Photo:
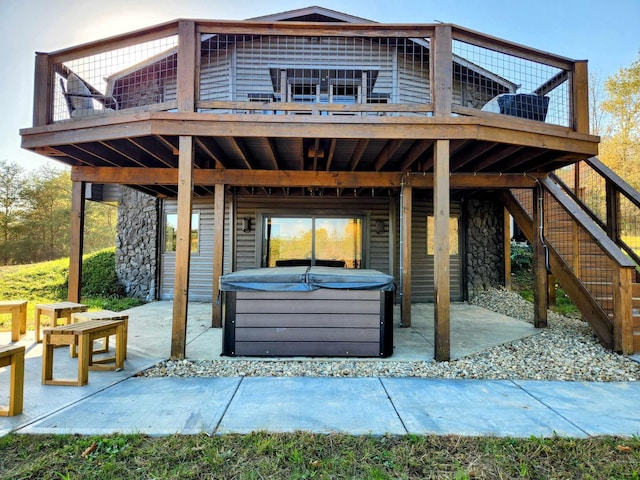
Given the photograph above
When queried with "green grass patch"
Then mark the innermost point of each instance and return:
(306, 456)
(46, 282)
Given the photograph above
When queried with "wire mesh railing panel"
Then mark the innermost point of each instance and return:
(583, 254)
(307, 69)
(568, 176)
(629, 222)
(592, 191)
(498, 82)
(137, 75)
(524, 196)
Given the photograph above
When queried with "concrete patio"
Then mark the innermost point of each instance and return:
(121, 402)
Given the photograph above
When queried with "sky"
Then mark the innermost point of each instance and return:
(606, 33)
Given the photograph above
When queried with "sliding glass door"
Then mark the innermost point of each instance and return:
(312, 240)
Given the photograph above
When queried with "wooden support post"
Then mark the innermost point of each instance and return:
(442, 287)
(580, 89)
(540, 278)
(623, 310)
(405, 251)
(613, 212)
(76, 241)
(183, 248)
(42, 91)
(187, 64)
(218, 253)
(506, 232)
(442, 71)
(551, 290)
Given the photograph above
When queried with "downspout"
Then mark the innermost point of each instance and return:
(401, 231)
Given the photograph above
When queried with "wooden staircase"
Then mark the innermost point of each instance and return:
(589, 266)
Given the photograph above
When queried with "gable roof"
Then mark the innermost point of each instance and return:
(311, 14)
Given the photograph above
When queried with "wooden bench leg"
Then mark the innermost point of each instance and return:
(16, 385)
(38, 324)
(16, 323)
(47, 360)
(23, 319)
(84, 358)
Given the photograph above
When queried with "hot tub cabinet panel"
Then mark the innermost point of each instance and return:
(323, 322)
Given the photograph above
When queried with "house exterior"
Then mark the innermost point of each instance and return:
(311, 137)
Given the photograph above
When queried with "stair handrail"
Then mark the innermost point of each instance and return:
(618, 182)
(618, 185)
(609, 246)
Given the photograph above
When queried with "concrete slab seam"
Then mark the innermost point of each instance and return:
(549, 407)
(226, 409)
(406, 430)
(75, 402)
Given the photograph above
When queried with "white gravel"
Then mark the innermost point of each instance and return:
(566, 350)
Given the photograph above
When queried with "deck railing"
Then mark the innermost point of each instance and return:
(612, 203)
(309, 68)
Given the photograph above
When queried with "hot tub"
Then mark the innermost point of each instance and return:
(308, 311)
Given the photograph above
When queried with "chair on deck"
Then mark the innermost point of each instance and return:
(80, 99)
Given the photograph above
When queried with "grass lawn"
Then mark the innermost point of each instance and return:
(46, 282)
(306, 456)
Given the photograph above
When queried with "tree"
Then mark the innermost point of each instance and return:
(621, 145)
(11, 189)
(47, 221)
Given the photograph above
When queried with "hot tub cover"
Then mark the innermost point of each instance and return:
(305, 279)
(279, 279)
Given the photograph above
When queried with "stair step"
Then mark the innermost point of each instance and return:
(635, 290)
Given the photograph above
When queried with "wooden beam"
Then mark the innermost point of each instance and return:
(186, 83)
(218, 253)
(76, 242)
(149, 145)
(442, 71)
(212, 150)
(442, 283)
(539, 264)
(499, 154)
(357, 153)
(414, 152)
(330, 154)
(183, 249)
(294, 178)
(274, 155)
(386, 153)
(243, 150)
(406, 212)
(470, 154)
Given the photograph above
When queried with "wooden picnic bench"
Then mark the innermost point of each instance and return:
(82, 336)
(101, 315)
(56, 311)
(18, 311)
(13, 356)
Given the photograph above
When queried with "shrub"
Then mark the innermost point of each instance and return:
(99, 277)
(521, 257)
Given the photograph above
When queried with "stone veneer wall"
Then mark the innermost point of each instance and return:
(484, 244)
(137, 243)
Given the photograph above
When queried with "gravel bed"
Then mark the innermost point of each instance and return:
(566, 350)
